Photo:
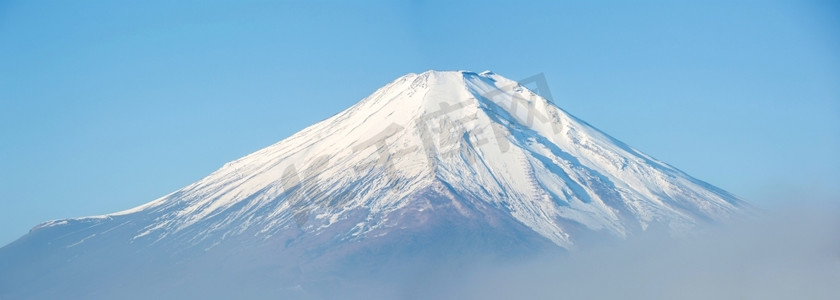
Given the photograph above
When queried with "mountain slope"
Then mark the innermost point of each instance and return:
(432, 163)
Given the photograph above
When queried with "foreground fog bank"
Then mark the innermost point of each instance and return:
(786, 252)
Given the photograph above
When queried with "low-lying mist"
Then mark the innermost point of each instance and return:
(790, 251)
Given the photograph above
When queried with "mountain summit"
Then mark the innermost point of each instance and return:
(445, 160)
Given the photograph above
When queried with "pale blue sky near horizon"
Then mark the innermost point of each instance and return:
(108, 105)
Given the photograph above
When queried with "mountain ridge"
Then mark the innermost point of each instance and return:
(418, 113)
(432, 165)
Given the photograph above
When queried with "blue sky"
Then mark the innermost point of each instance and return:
(105, 105)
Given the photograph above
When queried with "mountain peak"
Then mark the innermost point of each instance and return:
(477, 143)
(436, 163)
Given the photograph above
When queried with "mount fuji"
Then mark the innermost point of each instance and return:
(432, 167)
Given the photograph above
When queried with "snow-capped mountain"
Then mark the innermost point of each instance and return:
(430, 158)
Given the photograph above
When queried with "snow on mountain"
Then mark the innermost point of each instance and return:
(475, 149)
(480, 136)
